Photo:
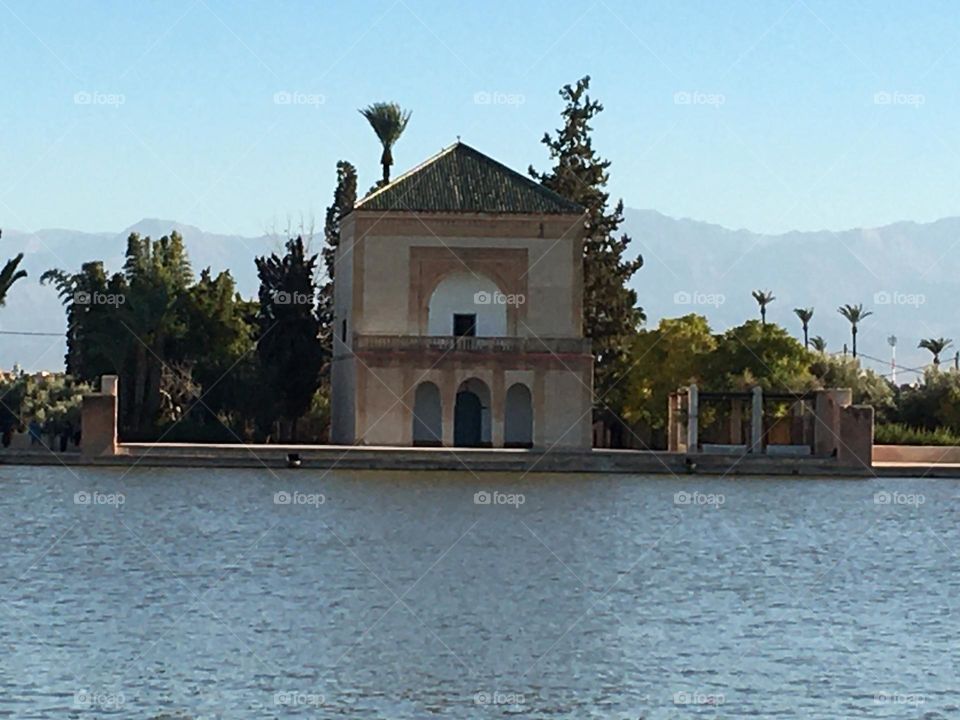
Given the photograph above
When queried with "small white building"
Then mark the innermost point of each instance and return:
(458, 311)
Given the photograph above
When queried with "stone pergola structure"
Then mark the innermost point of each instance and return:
(819, 423)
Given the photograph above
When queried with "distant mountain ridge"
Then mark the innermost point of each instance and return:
(906, 272)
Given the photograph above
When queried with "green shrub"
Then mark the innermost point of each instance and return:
(900, 434)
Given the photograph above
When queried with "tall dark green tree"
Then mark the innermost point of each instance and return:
(344, 198)
(290, 349)
(611, 316)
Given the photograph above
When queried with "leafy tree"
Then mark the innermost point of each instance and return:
(757, 354)
(219, 344)
(869, 388)
(611, 316)
(805, 315)
(290, 349)
(763, 298)
(388, 121)
(854, 315)
(935, 346)
(9, 275)
(94, 347)
(665, 358)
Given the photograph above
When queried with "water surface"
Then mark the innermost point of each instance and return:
(205, 594)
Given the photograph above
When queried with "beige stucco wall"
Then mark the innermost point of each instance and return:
(377, 291)
(385, 400)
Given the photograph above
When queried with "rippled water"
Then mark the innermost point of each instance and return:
(205, 595)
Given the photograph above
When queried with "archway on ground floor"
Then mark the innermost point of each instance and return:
(518, 418)
(471, 416)
(427, 415)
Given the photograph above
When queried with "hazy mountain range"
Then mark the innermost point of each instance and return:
(907, 273)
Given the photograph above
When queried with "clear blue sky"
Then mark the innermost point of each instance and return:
(799, 140)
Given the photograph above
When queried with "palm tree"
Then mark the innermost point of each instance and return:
(763, 298)
(935, 346)
(9, 275)
(805, 315)
(388, 121)
(819, 344)
(854, 314)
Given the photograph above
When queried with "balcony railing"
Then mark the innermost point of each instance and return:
(448, 343)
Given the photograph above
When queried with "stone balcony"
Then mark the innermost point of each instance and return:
(449, 343)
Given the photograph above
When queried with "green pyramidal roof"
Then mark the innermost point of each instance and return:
(461, 179)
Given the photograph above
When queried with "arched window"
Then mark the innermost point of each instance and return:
(467, 297)
(518, 417)
(427, 415)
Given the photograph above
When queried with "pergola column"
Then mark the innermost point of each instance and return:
(756, 420)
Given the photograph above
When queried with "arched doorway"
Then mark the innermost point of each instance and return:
(427, 415)
(518, 418)
(471, 415)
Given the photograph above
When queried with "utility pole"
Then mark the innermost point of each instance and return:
(892, 341)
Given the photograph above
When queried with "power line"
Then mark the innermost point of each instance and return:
(37, 334)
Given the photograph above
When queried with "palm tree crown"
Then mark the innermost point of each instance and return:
(854, 314)
(805, 315)
(388, 121)
(819, 344)
(763, 298)
(935, 346)
(9, 275)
